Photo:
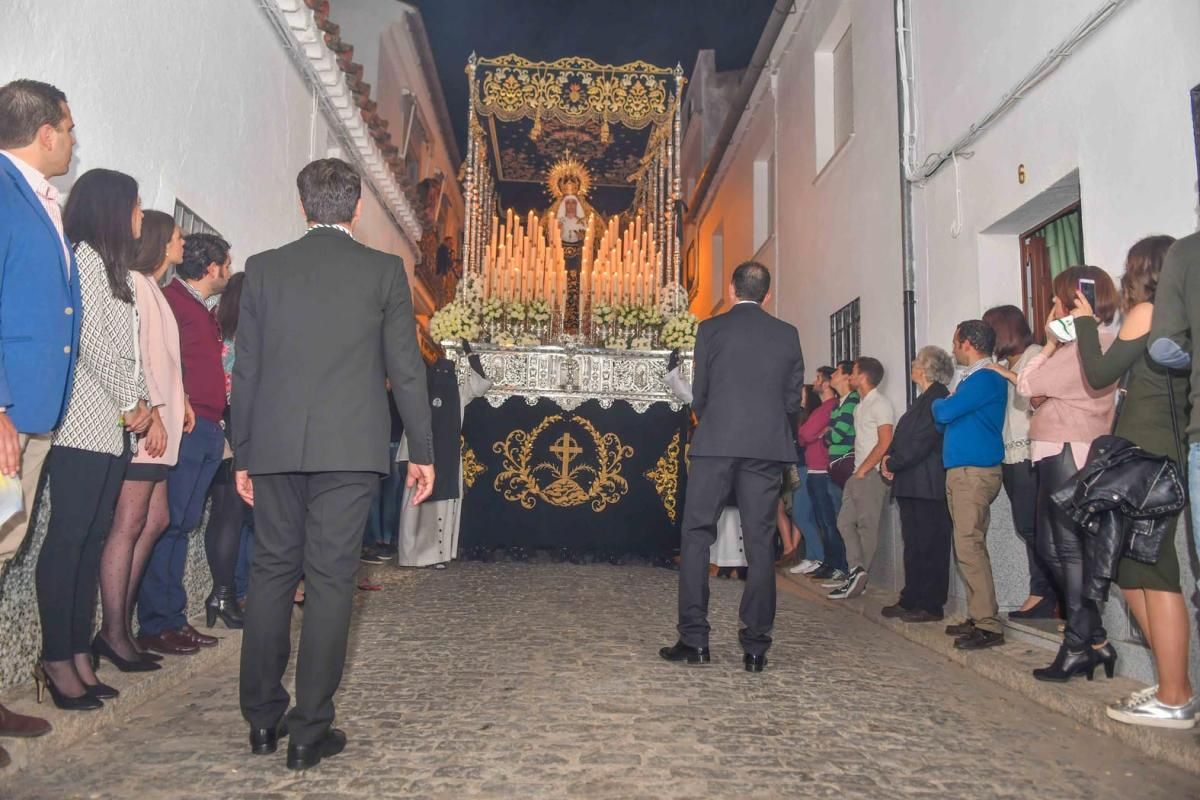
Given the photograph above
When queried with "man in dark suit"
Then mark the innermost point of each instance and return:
(748, 375)
(324, 320)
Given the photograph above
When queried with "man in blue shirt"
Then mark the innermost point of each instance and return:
(972, 423)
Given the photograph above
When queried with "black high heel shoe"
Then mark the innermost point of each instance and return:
(1106, 655)
(101, 691)
(85, 702)
(102, 648)
(1043, 609)
(223, 603)
(1067, 664)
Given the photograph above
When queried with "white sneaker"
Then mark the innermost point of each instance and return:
(804, 567)
(1153, 713)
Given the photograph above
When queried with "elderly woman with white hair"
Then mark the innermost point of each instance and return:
(913, 464)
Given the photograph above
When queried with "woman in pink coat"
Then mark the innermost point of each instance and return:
(141, 514)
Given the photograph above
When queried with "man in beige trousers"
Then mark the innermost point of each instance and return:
(972, 424)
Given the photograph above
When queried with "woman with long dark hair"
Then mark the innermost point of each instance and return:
(91, 448)
(141, 513)
(1149, 420)
(223, 537)
(1015, 348)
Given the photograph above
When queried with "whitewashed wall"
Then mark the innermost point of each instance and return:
(196, 100)
(1117, 113)
(837, 235)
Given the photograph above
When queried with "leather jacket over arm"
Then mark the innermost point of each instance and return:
(1125, 499)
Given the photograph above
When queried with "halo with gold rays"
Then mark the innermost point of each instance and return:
(565, 167)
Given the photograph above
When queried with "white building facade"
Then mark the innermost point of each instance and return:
(811, 181)
(214, 107)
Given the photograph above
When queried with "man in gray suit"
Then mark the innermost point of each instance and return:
(324, 320)
(749, 372)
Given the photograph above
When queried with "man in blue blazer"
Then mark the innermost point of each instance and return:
(39, 302)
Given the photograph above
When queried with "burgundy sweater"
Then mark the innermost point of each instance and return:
(200, 349)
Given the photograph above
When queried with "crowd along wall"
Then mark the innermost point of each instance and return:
(198, 101)
(1110, 129)
(833, 231)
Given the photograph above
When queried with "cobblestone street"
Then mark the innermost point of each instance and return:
(525, 681)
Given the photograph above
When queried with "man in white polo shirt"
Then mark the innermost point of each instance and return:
(865, 494)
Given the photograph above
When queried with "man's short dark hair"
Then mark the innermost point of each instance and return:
(978, 334)
(25, 106)
(200, 250)
(846, 367)
(751, 281)
(329, 191)
(870, 368)
(825, 372)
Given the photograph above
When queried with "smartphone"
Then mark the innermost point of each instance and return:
(1087, 287)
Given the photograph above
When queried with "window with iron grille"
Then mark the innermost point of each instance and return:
(844, 335)
(190, 222)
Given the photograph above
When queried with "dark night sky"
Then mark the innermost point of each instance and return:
(662, 32)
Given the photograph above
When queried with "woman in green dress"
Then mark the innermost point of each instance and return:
(1151, 590)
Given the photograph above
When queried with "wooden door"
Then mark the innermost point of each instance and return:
(1036, 283)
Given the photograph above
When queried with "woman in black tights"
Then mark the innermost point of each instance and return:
(223, 536)
(91, 448)
(141, 514)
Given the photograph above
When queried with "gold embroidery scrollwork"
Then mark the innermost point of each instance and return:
(471, 468)
(565, 481)
(573, 90)
(665, 477)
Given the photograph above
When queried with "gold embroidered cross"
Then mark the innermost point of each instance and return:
(566, 448)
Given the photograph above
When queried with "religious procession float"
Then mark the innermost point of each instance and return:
(571, 295)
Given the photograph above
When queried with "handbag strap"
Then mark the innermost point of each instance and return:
(1122, 390)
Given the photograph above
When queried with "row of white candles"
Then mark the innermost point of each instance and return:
(522, 264)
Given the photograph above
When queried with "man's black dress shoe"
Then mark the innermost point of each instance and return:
(265, 740)
(979, 639)
(754, 663)
(305, 756)
(681, 652)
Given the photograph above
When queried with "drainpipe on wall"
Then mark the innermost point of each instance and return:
(909, 295)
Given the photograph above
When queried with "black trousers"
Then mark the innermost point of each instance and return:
(84, 487)
(927, 531)
(306, 524)
(1021, 486)
(757, 485)
(223, 536)
(1061, 544)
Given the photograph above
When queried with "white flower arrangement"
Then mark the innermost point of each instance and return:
(603, 314)
(453, 322)
(680, 331)
(492, 310)
(673, 301)
(516, 312)
(529, 340)
(651, 316)
(629, 315)
(505, 339)
(642, 343)
(539, 311)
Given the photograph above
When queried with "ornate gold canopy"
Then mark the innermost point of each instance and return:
(575, 90)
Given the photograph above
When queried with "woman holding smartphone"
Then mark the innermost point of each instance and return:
(1072, 414)
(1150, 421)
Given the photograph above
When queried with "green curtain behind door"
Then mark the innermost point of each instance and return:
(1064, 242)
